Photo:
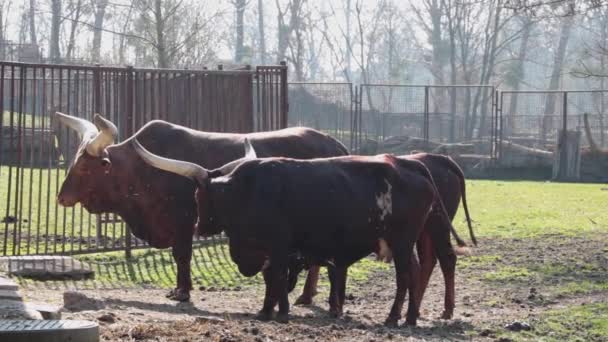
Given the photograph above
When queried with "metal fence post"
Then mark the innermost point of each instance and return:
(426, 114)
(129, 131)
(284, 95)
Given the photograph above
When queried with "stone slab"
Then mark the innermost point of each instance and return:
(47, 311)
(49, 330)
(45, 267)
(14, 309)
(11, 295)
(8, 284)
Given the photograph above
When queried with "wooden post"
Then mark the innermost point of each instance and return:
(567, 162)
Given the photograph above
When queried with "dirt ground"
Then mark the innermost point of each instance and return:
(505, 281)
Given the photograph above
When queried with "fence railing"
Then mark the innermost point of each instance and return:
(34, 154)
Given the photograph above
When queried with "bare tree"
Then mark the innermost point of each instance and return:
(76, 9)
(239, 48)
(56, 15)
(261, 32)
(99, 13)
(556, 73)
(32, 21)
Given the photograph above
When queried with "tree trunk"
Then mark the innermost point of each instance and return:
(487, 70)
(436, 42)
(519, 70)
(32, 19)
(71, 41)
(122, 40)
(54, 53)
(161, 46)
(558, 62)
(240, 14)
(100, 13)
(348, 41)
(261, 32)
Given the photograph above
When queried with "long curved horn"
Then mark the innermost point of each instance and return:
(85, 128)
(106, 136)
(249, 151)
(182, 168)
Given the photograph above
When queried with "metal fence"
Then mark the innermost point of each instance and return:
(534, 118)
(441, 114)
(323, 106)
(34, 155)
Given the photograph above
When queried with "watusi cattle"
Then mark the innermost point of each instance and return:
(433, 243)
(338, 209)
(159, 206)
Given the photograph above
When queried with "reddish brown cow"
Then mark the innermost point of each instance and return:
(434, 241)
(159, 206)
(337, 209)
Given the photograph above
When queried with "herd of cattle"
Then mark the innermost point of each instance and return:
(296, 200)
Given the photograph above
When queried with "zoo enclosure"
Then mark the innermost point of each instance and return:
(358, 115)
(35, 152)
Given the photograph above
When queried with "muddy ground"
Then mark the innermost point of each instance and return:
(504, 281)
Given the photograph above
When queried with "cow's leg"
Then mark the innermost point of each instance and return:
(337, 280)
(310, 287)
(428, 260)
(280, 285)
(447, 261)
(182, 254)
(402, 254)
(269, 302)
(413, 310)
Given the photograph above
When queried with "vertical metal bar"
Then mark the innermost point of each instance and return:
(426, 114)
(284, 96)
(129, 131)
(10, 167)
(32, 164)
(69, 109)
(19, 190)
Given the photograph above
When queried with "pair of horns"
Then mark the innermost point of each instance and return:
(97, 136)
(186, 169)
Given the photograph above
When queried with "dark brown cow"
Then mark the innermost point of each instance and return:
(158, 206)
(434, 241)
(337, 209)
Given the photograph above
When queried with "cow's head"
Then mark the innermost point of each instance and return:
(205, 224)
(87, 177)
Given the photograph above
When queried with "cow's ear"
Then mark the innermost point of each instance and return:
(249, 151)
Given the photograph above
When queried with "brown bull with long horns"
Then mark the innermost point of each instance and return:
(158, 206)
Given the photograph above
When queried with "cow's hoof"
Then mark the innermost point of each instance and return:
(447, 314)
(263, 316)
(410, 322)
(334, 313)
(171, 293)
(180, 296)
(391, 322)
(282, 318)
(304, 300)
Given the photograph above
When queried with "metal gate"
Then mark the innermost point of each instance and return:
(34, 155)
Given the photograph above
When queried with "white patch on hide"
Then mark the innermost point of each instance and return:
(266, 264)
(384, 254)
(384, 201)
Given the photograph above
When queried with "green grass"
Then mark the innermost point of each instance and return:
(508, 274)
(577, 323)
(27, 120)
(38, 190)
(521, 209)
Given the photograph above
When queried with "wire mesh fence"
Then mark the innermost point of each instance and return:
(323, 106)
(35, 153)
(535, 118)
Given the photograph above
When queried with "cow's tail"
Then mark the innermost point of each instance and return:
(458, 171)
(462, 248)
